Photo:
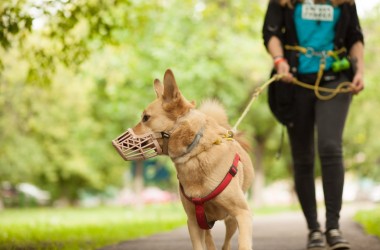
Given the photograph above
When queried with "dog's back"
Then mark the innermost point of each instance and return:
(214, 109)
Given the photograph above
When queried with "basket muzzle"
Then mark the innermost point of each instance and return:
(138, 147)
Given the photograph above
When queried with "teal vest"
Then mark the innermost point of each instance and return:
(315, 27)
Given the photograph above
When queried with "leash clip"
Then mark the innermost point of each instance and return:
(230, 134)
(324, 55)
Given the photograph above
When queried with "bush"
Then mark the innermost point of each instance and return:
(370, 219)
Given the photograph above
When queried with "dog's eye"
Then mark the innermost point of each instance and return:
(145, 118)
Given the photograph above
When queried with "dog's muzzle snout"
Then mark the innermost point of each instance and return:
(137, 147)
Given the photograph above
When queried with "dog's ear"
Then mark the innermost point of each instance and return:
(173, 101)
(158, 88)
(171, 91)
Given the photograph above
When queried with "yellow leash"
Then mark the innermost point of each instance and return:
(343, 87)
(255, 94)
(306, 50)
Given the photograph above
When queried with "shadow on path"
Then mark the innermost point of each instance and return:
(285, 231)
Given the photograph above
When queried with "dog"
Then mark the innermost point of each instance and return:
(213, 167)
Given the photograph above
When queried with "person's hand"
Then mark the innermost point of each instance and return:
(357, 83)
(283, 68)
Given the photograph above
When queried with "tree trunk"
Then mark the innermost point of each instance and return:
(138, 183)
(259, 180)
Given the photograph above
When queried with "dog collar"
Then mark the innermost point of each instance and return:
(196, 140)
(193, 144)
(200, 213)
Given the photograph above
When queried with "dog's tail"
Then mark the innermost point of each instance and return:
(214, 109)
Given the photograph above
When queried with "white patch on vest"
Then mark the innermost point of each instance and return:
(317, 12)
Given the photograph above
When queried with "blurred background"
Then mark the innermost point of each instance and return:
(74, 74)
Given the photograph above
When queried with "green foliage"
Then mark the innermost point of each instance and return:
(85, 228)
(361, 142)
(15, 21)
(370, 219)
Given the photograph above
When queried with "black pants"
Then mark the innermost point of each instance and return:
(323, 120)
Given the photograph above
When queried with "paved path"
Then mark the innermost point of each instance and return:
(285, 231)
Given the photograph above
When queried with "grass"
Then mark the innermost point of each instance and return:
(268, 210)
(370, 219)
(91, 228)
(84, 228)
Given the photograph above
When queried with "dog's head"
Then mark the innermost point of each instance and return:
(150, 136)
(162, 113)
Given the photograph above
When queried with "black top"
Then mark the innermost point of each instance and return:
(279, 22)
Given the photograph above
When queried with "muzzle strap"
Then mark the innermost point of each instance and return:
(165, 145)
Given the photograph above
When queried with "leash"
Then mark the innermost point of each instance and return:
(344, 87)
(255, 94)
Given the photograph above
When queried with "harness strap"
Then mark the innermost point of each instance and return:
(199, 202)
(310, 51)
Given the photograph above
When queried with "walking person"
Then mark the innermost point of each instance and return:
(305, 38)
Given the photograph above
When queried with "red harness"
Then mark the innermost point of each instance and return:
(198, 202)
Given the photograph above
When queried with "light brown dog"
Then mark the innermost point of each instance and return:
(199, 144)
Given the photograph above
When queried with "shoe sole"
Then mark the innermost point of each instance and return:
(340, 246)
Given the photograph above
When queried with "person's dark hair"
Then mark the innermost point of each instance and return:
(290, 3)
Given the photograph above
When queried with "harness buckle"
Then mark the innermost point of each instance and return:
(233, 170)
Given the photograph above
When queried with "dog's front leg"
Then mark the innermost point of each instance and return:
(197, 235)
(244, 220)
(210, 245)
